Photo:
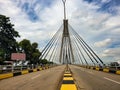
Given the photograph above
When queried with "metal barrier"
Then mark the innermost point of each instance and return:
(11, 68)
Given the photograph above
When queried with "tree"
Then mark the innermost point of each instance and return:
(25, 46)
(34, 45)
(44, 61)
(31, 51)
(2, 53)
(8, 34)
(35, 53)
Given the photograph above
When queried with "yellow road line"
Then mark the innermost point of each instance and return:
(68, 87)
(25, 72)
(67, 74)
(97, 69)
(34, 70)
(106, 70)
(3, 76)
(68, 82)
(40, 69)
(118, 72)
(67, 71)
(68, 78)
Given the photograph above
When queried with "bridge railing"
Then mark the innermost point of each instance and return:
(11, 68)
(101, 67)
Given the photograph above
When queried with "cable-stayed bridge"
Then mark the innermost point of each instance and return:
(79, 67)
(67, 46)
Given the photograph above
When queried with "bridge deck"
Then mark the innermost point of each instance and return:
(41, 80)
(87, 79)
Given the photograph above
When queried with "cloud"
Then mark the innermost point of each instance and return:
(38, 20)
(106, 6)
(112, 52)
(103, 43)
(27, 28)
(105, 1)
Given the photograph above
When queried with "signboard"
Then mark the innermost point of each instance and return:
(18, 56)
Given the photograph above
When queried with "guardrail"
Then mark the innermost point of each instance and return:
(109, 67)
(104, 69)
(21, 70)
(11, 68)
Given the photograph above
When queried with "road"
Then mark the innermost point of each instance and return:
(42, 80)
(87, 79)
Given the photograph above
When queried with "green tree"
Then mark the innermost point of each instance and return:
(35, 53)
(2, 53)
(25, 46)
(44, 61)
(34, 45)
(8, 36)
(31, 51)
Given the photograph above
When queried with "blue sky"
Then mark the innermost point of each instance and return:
(97, 21)
(106, 6)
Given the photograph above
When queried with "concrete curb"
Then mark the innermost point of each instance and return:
(68, 82)
(104, 70)
(8, 75)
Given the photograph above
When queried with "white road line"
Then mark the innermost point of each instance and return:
(111, 80)
(90, 72)
(36, 76)
(82, 69)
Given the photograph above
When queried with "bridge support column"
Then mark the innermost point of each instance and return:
(66, 52)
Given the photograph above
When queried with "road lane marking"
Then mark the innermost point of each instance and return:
(111, 80)
(82, 69)
(36, 76)
(68, 82)
(90, 72)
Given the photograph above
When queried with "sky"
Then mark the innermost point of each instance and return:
(96, 21)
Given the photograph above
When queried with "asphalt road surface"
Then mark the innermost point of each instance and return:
(42, 80)
(87, 79)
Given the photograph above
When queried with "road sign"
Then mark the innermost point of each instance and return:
(18, 56)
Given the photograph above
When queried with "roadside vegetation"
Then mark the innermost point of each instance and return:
(9, 45)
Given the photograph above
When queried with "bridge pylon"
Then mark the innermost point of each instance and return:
(68, 47)
(66, 51)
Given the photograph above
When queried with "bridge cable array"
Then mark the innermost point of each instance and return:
(60, 50)
(67, 47)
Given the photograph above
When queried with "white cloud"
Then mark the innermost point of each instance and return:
(116, 31)
(112, 22)
(34, 31)
(103, 43)
(93, 26)
(113, 52)
(105, 1)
